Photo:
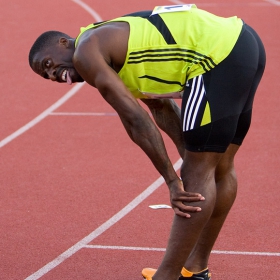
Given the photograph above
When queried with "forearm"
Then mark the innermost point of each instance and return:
(146, 135)
(137, 123)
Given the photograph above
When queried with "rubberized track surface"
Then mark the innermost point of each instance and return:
(75, 190)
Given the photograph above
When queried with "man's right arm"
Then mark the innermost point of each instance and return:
(92, 66)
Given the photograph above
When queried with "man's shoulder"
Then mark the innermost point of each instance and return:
(107, 43)
(106, 37)
(103, 33)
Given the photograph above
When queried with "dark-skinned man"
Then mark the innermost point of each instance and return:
(214, 64)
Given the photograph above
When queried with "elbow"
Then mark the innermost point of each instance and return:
(138, 126)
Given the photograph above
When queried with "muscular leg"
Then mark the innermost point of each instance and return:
(198, 174)
(226, 185)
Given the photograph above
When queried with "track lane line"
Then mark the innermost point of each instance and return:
(82, 114)
(86, 7)
(62, 100)
(40, 117)
(219, 252)
(83, 243)
(274, 2)
(101, 229)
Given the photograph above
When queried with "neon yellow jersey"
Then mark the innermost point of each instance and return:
(170, 46)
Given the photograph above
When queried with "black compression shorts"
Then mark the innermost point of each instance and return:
(217, 106)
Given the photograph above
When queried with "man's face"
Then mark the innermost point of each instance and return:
(55, 63)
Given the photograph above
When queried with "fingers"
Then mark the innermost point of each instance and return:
(189, 197)
(181, 213)
(181, 200)
(193, 195)
(183, 210)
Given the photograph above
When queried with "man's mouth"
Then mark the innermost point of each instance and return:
(65, 76)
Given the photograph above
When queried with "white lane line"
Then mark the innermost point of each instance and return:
(85, 114)
(81, 114)
(105, 226)
(178, 2)
(163, 249)
(43, 115)
(129, 248)
(86, 7)
(274, 2)
(69, 94)
(268, 254)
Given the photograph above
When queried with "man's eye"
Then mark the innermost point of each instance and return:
(48, 63)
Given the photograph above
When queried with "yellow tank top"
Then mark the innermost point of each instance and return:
(170, 46)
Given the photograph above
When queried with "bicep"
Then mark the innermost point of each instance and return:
(94, 69)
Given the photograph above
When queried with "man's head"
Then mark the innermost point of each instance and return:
(51, 57)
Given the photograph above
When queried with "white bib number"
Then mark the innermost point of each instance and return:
(171, 8)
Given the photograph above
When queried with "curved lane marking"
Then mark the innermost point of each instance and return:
(86, 7)
(62, 100)
(83, 243)
(213, 4)
(43, 115)
(274, 2)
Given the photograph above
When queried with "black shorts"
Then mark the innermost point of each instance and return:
(217, 106)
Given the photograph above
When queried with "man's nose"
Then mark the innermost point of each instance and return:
(52, 74)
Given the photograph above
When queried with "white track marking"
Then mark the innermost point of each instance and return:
(178, 2)
(83, 243)
(274, 2)
(43, 115)
(81, 114)
(105, 226)
(128, 248)
(60, 101)
(269, 254)
(88, 9)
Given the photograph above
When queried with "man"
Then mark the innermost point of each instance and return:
(215, 64)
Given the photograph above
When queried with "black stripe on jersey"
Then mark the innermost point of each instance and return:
(203, 66)
(161, 80)
(159, 60)
(158, 22)
(176, 49)
(168, 57)
(206, 62)
(175, 54)
(142, 14)
(203, 62)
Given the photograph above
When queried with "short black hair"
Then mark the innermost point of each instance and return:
(45, 40)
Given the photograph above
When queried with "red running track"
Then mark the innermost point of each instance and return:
(69, 182)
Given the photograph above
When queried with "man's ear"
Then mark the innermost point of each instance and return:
(63, 41)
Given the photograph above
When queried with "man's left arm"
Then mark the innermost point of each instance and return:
(92, 66)
(167, 116)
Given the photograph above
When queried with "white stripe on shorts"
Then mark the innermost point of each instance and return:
(193, 103)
